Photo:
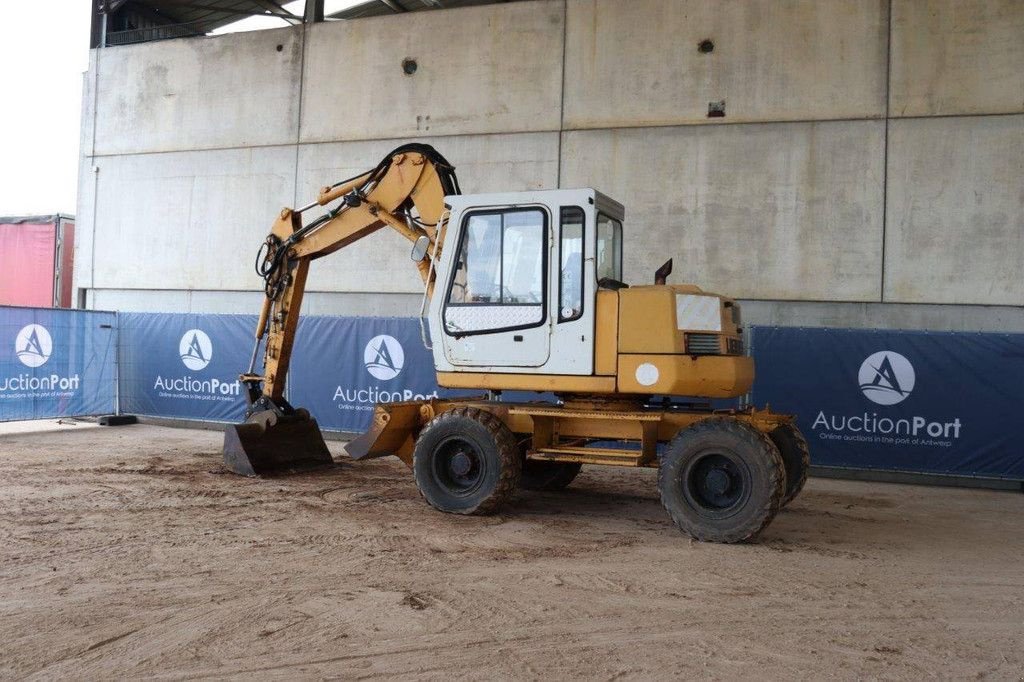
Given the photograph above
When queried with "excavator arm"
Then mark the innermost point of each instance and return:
(404, 192)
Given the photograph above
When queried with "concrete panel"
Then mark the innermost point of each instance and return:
(953, 57)
(249, 302)
(145, 301)
(783, 210)
(87, 129)
(490, 69)
(187, 220)
(955, 213)
(84, 256)
(959, 318)
(637, 63)
(235, 90)
(380, 263)
(86, 194)
(955, 318)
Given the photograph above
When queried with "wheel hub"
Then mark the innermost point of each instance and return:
(461, 464)
(714, 483)
(717, 481)
(458, 466)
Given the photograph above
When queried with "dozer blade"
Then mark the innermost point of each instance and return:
(268, 443)
(391, 432)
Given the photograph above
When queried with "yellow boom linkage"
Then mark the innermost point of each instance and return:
(404, 192)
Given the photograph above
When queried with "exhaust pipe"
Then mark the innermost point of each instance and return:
(269, 443)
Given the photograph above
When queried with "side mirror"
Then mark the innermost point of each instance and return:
(419, 249)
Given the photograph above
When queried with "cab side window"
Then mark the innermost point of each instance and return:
(570, 254)
(609, 248)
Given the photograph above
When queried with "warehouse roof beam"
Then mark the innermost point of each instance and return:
(120, 22)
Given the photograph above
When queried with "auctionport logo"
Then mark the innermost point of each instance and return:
(33, 345)
(384, 357)
(886, 377)
(195, 349)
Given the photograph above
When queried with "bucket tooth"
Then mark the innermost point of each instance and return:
(268, 444)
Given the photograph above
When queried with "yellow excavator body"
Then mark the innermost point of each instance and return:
(523, 291)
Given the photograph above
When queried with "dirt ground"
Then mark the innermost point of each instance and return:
(129, 552)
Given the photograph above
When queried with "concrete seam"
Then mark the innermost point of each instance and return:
(298, 119)
(561, 98)
(92, 229)
(95, 101)
(258, 291)
(885, 149)
(319, 142)
(95, 176)
(1007, 307)
(820, 301)
(881, 119)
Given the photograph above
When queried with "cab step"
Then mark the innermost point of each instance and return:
(604, 456)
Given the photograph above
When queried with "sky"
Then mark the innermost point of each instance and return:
(44, 52)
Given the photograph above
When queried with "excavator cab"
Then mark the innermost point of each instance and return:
(530, 295)
(518, 278)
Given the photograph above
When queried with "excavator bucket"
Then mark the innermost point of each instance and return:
(268, 443)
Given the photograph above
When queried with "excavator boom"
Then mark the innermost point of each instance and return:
(405, 192)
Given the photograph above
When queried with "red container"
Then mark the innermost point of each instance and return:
(37, 260)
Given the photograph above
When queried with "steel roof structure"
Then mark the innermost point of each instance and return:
(119, 22)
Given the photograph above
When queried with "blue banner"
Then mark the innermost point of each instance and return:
(929, 402)
(187, 366)
(932, 402)
(343, 366)
(184, 365)
(56, 363)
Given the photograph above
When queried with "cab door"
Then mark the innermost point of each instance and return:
(572, 288)
(496, 308)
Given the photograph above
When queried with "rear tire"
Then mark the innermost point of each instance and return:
(548, 475)
(721, 480)
(796, 455)
(466, 462)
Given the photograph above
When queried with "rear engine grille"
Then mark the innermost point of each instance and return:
(702, 344)
(734, 346)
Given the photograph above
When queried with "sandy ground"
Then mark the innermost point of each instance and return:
(128, 552)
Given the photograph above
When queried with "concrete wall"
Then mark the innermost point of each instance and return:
(637, 63)
(777, 211)
(239, 90)
(479, 70)
(867, 171)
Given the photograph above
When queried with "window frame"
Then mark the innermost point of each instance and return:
(583, 260)
(545, 248)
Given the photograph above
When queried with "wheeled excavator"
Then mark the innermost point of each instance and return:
(523, 291)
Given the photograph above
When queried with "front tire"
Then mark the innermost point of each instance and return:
(721, 480)
(466, 462)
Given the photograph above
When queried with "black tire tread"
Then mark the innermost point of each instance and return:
(552, 475)
(508, 455)
(792, 438)
(776, 472)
